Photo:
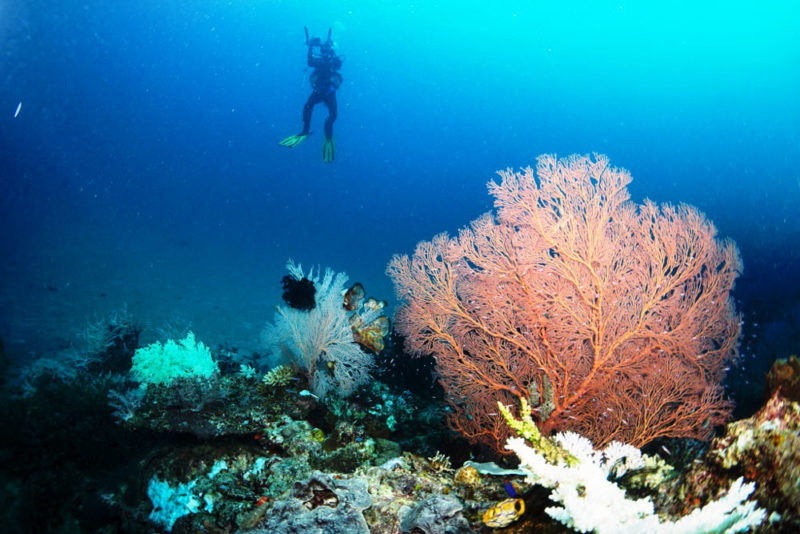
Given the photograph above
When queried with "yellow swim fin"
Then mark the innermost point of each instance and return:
(294, 140)
(328, 150)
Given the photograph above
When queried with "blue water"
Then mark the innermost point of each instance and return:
(143, 168)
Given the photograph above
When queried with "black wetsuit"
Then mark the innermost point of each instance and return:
(325, 80)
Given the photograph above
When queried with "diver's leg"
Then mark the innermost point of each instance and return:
(328, 146)
(312, 101)
(294, 140)
(330, 102)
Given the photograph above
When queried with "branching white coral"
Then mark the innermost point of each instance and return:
(618, 458)
(592, 503)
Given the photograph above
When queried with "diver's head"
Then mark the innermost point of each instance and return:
(326, 48)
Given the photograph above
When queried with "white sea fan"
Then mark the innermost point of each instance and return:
(320, 340)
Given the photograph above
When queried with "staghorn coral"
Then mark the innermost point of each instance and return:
(589, 502)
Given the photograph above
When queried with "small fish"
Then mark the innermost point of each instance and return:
(504, 513)
(19, 108)
(306, 393)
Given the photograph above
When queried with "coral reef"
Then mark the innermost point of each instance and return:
(321, 504)
(376, 407)
(226, 405)
(438, 514)
(237, 450)
(764, 448)
(784, 377)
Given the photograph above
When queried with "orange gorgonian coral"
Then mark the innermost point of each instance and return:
(613, 319)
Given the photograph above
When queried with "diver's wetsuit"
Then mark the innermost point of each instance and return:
(325, 80)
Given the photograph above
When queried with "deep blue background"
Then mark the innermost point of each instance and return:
(143, 168)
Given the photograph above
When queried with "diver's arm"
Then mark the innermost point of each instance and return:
(311, 44)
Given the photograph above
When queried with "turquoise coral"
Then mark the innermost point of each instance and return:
(164, 363)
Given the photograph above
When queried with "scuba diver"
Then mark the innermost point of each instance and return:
(325, 80)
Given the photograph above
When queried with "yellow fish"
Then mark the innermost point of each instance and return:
(504, 513)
